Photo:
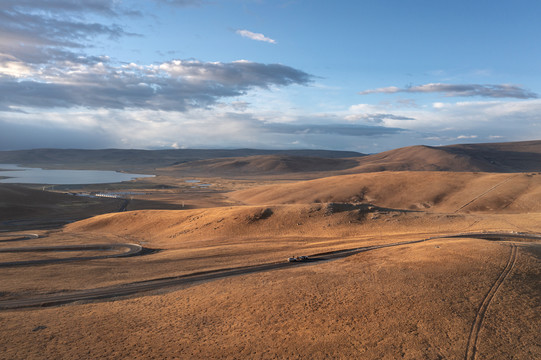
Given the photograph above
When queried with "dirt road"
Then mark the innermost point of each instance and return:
(132, 250)
(191, 279)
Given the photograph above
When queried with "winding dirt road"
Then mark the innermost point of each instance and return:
(19, 237)
(160, 283)
(132, 250)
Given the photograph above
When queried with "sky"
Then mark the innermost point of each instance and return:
(358, 75)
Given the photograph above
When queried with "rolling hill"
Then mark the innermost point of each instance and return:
(498, 157)
(427, 191)
(141, 160)
(495, 157)
(262, 165)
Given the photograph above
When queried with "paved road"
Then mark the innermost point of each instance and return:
(145, 286)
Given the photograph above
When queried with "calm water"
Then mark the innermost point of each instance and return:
(22, 175)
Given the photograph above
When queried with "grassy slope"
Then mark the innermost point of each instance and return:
(433, 191)
(415, 302)
(497, 157)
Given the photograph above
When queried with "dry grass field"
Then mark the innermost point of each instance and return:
(444, 298)
(426, 191)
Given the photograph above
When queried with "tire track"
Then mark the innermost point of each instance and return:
(471, 349)
(486, 192)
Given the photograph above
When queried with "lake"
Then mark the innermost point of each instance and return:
(23, 175)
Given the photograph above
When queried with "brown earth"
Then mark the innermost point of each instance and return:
(416, 301)
(412, 302)
(427, 191)
(497, 157)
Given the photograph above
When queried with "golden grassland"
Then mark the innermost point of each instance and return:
(414, 301)
(408, 302)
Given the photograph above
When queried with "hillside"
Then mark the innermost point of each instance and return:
(262, 165)
(497, 157)
(141, 160)
(428, 191)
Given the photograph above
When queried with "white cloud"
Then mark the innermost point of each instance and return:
(16, 69)
(255, 36)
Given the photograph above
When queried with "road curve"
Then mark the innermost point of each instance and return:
(132, 250)
(19, 237)
(154, 284)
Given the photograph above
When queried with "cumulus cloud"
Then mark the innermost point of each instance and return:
(175, 85)
(464, 90)
(255, 36)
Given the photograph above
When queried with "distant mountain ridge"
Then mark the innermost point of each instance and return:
(122, 159)
(510, 157)
(264, 165)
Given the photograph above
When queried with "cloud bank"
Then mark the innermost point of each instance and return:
(43, 64)
(463, 90)
(175, 85)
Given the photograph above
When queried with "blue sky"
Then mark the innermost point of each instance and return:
(366, 76)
